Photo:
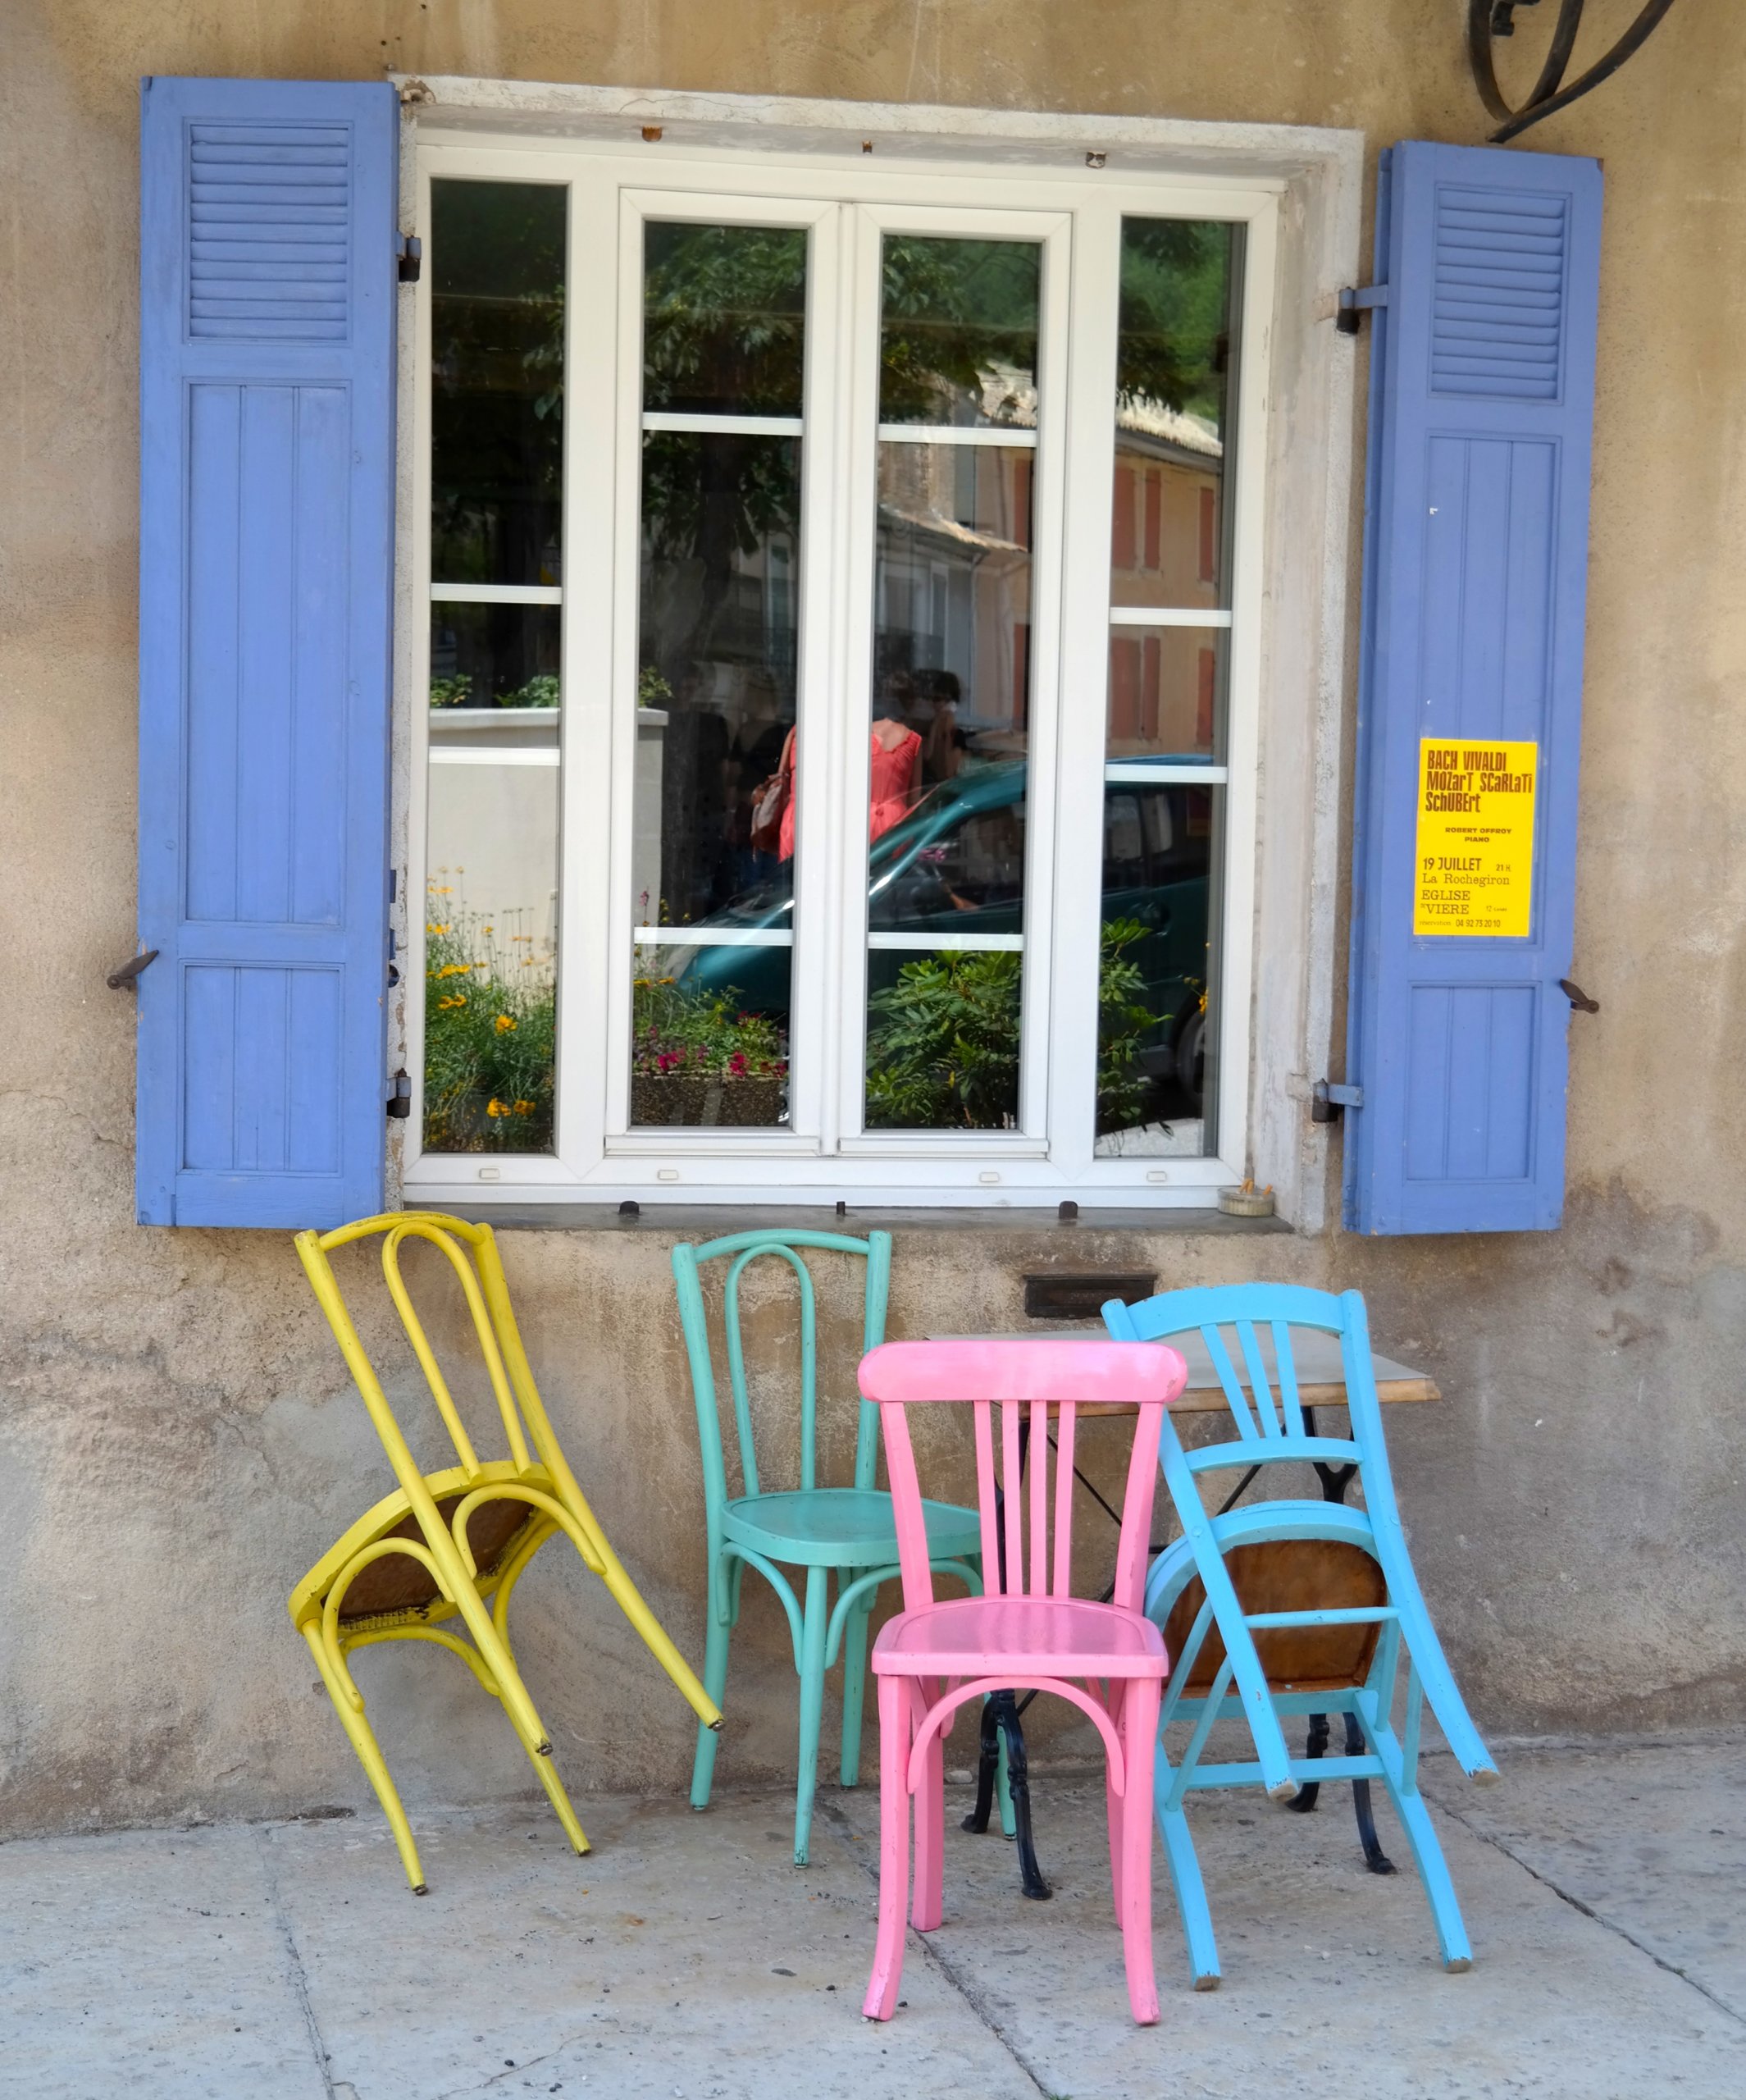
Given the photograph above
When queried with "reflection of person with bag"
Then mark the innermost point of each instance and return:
(896, 754)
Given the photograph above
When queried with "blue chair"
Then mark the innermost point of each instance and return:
(847, 1530)
(1283, 1607)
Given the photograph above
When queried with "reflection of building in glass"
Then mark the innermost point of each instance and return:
(952, 649)
(1165, 551)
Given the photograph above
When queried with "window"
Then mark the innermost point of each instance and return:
(820, 562)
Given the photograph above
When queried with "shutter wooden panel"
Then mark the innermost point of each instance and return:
(1482, 395)
(268, 280)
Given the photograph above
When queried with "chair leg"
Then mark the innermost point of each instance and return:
(1112, 1804)
(1139, 1750)
(717, 1633)
(855, 1685)
(930, 1839)
(362, 1739)
(1190, 1891)
(1427, 1852)
(559, 1800)
(812, 1707)
(894, 1849)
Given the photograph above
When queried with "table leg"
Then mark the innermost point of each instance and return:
(987, 1767)
(1005, 1708)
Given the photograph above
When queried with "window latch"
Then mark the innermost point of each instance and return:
(1355, 302)
(410, 253)
(1327, 1099)
(400, 1096)
(1574, 993)
(118, 980)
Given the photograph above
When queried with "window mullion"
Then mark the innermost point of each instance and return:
(1089, 480)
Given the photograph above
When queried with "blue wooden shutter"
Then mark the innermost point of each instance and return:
(267, 509)
(1482, 397)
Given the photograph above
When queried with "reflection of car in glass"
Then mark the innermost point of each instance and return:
(955, 865)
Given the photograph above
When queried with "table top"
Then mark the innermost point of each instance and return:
(1320, 1381)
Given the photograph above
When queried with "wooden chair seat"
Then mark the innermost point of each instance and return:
(1290, 1575)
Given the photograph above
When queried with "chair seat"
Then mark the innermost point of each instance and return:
(842, 1528)
(1037, 1636)
(399, 1584)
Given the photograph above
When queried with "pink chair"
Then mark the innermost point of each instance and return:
(1027, 1628)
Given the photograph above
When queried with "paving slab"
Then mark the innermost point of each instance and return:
(1651, 1839)
(687, 1957)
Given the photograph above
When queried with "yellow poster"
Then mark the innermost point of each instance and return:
(1475, 863)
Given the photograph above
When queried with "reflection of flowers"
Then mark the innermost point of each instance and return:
(505, 1022)
(701, 1034)
(488, 1048)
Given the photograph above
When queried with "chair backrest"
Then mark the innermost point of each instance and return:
(1043, 1377)
(1250, 1325)
(472, 1253)
(739, 1250)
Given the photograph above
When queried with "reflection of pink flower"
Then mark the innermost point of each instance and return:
(737, 1066)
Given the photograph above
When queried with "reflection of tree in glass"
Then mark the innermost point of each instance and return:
(724, 314)
(1176, 314)
(955, 314)
(497, 371)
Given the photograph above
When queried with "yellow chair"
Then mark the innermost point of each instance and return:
(453, 1543)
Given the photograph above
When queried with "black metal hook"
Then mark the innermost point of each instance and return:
(1489, 18)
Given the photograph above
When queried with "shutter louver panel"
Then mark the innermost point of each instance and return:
(270, 210)
(1499, 310)
(1482, 388)
(267, 349)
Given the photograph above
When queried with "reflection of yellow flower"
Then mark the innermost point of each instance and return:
(496, 1107)
(454, 999)
(487, 929)
(505, 1022)
(524, 1108)
(436, 929)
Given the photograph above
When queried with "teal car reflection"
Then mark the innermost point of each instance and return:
(954, 866)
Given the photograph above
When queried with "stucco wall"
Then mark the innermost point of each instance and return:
(177, 1441)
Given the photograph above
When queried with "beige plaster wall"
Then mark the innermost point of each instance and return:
(177, 1441)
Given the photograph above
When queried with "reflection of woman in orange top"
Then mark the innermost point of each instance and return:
(896, 760)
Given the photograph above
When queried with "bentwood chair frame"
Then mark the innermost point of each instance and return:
(848, 1531)
(453, 1545)
(1028, 1629)
(1344, 1576)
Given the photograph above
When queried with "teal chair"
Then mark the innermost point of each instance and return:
(1284, 1609)
(846, 1530)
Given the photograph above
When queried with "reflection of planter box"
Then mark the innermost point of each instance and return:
(685, 1098)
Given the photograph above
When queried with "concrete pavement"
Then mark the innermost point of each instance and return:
(1604, 1889)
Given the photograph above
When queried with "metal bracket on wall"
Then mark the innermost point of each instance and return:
(1328, 1100)
(1488, 20)
(119, 980)
(1355, 301)
(409, 249)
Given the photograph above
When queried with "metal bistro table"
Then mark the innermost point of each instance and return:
(1321, 1383)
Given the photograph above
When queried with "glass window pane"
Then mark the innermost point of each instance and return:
(958, 335)
(1155, 1042)
(716, 819)
(497, 329)
(494, 656)
(709, 1036)
(1173, 427)
(942, 1038)
(724, 318)
(1167, 693)
(491, 902)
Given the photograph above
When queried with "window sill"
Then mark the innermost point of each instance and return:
(694, 1221)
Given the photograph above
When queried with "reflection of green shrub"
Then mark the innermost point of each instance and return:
(942, 1043)
(450, 692)
(489, 1036)
(541, 690)
(701, 1034)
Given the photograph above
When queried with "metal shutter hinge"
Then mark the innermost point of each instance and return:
(1327, 1099)
(400, 1096)
(410, 250)
(119, 980)
(1355, 300)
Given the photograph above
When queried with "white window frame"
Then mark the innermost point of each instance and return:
(725, 157)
